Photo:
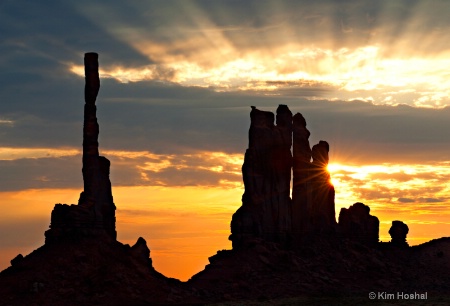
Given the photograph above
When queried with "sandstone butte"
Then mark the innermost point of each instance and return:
(286, 251)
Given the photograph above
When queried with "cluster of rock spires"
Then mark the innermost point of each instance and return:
(267, 210)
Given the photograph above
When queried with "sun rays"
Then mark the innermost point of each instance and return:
(361, 54)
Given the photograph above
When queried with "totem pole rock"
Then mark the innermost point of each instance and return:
(398, 232)
(95, 212)
(356, 223)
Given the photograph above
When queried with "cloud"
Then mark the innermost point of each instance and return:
(168, 118)
(234, 45)
(198, 169)
(431, 200)
(127, 169)
(389, 187)
(406, 200)
(188, 177)
(58, 33)
(170, 213)
(39, 173)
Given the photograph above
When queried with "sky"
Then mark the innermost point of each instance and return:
(177, 81)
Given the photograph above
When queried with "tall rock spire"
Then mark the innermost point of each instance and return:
(301, 195)
(97, 186)
(95, 213)
(91, 168)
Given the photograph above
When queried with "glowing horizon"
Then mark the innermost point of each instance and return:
(181, 234)
(166, 214)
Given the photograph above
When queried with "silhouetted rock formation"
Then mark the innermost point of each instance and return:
(17, 260)
(358, 224)
(267, 211)
(321, 212)
(398, 232)
(141, 252)
(95, 212)
(88, 271)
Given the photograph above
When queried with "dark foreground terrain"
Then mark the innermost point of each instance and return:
(92, 272)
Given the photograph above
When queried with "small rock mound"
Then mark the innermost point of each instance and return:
(398, 232)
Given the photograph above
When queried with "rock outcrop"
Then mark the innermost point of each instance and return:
(267, 211)
(398, 232)
(356, 223)
(16, 260)
(95, 212)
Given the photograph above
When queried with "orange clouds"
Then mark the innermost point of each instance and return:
(7, 153)
(414, 193)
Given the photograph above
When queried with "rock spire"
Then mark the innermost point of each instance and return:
(95, 212)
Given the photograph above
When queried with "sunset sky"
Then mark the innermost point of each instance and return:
(177, 81)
